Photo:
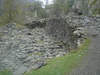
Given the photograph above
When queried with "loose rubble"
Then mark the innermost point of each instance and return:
(23, 49)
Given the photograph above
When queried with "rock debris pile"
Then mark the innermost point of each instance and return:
(23, 49)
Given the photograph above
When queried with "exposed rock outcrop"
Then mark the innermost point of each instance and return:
(26, 49)
(22, 49)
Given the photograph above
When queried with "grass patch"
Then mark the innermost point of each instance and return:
(62, 65)
(6, 72)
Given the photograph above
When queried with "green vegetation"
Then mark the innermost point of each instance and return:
(3, 20)
(62, 6)
(62, 65)
(21, 11)
(94, 7)
(5, 72)
(93, 2)
(9, 12)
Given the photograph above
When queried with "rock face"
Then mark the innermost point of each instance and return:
(26, 49)
(23, 49)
